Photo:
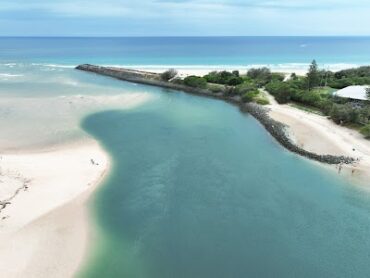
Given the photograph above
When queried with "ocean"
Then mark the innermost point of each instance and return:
(275, 52)
(197, 187)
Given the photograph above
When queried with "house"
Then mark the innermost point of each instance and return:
(353, 92)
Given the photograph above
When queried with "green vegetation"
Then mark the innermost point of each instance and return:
(195, 82)
(368, 93)
(224, 77)
(314, 92)
(168, 74)
(366, 130)
(250, 96)
(245, 86)
(313, 77)
(262, 100)
(216, 88)
(344, 78)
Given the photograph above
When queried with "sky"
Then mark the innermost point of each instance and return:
(184, 17)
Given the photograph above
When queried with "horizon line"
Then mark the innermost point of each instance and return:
(190, 36)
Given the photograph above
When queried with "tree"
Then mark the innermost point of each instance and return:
(344, 113)
(282, 91)
(368, 93)
(261, 76)
(313, 76)
(366, 131)
(236, 73)
(233, 81)
(168, 74)
(195, 82)
(224, 77)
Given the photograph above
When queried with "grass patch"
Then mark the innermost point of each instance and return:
(324, 90)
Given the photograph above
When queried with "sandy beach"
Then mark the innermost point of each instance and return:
(201, 71)
(184, 71)
(319, 134)
(44, 228)
(46, 179)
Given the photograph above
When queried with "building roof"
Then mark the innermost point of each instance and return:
(353, 92)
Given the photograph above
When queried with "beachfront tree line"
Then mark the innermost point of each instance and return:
(233, 84)
(314, 91)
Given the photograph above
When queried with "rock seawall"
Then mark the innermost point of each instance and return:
(275, 128)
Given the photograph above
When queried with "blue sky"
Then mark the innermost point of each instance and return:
(183, 17)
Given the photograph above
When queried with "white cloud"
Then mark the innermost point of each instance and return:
(192, 17)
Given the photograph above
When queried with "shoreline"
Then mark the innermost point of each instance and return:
(275, 128)
(47, 216)
(52, 213)
(45, 229)
(317, 133)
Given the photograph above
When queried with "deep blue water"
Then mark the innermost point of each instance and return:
(187, 50)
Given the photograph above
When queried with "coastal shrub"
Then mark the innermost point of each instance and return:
(348, 77)
(364, 115)
(224, 77)
(216, 88)
(236, 73)
(281, 91)
(249, 96)
(325, 105)
(363, 71)
(261, 76)
(298, 83)
(168, 74)
(241, 89)
(366, 131)
(310, 98)
(275, 76)
(195, 82)
(314, 90)
(345, 82)
(293, 76)
(344, 113)
(233, 81)
(262, 101)
(177, 80)
(259, 73)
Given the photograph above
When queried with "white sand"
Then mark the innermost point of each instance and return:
(44, 228)
(43, 232)
(201, 71)
(318, 134)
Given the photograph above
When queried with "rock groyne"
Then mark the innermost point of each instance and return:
(275, 128)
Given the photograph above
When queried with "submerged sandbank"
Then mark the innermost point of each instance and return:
(44, 229)
(48, 169)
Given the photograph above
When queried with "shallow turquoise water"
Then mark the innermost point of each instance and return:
(199, 189)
